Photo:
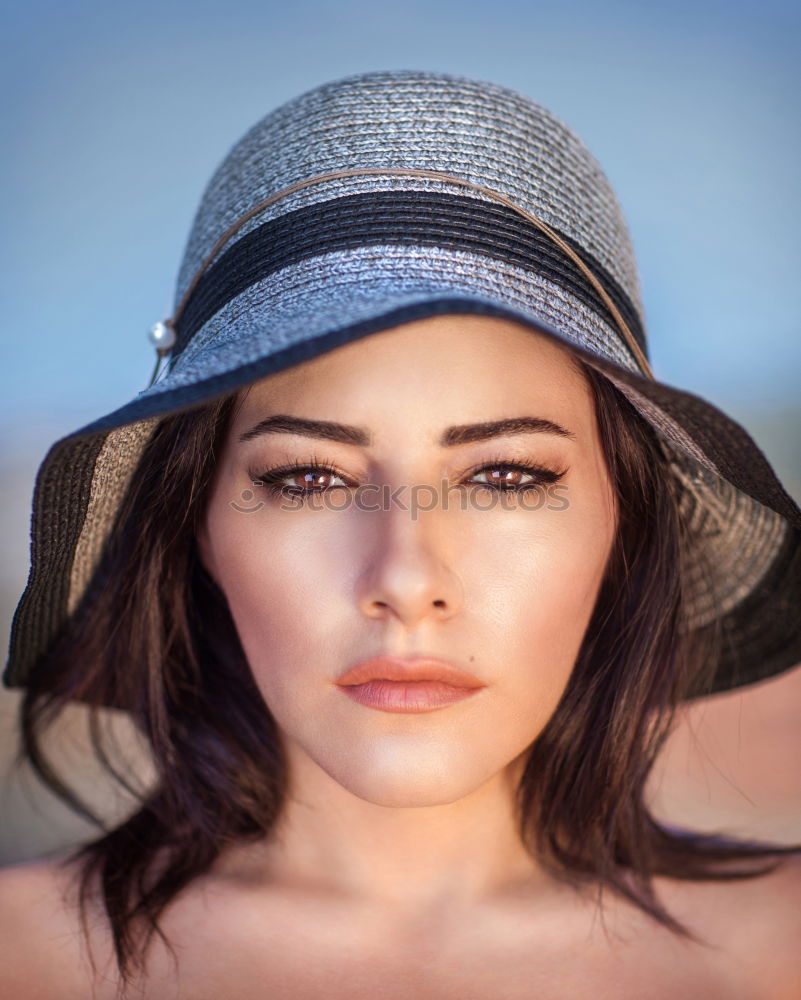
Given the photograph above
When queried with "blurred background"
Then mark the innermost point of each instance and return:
(116, 115)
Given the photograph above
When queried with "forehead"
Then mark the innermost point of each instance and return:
(443, 366)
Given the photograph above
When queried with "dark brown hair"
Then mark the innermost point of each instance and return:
(154, 636)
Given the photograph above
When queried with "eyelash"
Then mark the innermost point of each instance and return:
(270, 479)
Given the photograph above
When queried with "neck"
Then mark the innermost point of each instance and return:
(413, 858)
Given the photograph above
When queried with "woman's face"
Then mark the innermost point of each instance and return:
(428, 560)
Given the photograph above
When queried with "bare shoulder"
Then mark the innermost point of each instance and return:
(752, 925)
(39, 917)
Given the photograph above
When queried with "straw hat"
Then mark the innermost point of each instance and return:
(385, 197)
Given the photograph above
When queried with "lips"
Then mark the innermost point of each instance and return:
(420, 684)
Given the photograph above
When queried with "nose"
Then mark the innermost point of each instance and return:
(408, 568)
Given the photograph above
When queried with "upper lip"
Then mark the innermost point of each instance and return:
(418, 668)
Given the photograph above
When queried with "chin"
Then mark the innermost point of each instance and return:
(408, 780)
(407, 792)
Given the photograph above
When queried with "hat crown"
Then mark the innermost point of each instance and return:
(475, 130)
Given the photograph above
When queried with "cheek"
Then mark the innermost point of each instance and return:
(284, 576)
(535, 583)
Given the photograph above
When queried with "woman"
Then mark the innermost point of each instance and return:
(401, 567)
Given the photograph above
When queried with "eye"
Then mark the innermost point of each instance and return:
(308, 479)
(516, 477)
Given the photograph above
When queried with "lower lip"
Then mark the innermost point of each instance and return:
(407, 696)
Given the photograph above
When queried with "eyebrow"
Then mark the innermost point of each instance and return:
(459, 434)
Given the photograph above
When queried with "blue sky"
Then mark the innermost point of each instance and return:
(115, 116)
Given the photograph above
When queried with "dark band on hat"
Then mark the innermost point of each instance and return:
(399, 218)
